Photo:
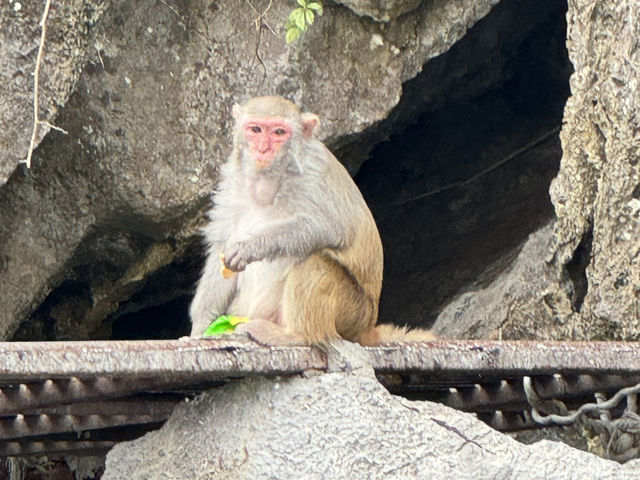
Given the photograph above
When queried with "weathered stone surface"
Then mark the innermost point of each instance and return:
(341, 424)
(512, 305)
(114, 205)
(66, 48)
(381, 10)
(525, 301)
(596, 193)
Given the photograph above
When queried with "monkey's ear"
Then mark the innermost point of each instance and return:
(236, 111)
(309, 122)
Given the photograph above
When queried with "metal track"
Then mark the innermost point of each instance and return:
(85, 396)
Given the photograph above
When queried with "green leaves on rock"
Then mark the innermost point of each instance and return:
(301, 18)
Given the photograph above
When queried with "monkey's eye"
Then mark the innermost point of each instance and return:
(280, 131)
(255, 129)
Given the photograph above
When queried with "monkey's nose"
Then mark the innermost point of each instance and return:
(264, 145)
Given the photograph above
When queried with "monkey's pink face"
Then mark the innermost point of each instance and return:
(265, 137)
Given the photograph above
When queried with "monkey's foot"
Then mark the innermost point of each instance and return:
(267, 333)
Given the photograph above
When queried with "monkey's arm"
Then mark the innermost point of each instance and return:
(325, 210)
(213, 295)
(297, 237)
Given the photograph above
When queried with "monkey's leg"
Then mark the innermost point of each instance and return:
(322, 301)
(213, 295)
(269, 333)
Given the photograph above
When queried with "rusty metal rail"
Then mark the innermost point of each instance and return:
(84, 396)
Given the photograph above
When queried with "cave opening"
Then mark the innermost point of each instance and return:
(457, 191)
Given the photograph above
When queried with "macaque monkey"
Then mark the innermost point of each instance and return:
(291, 242)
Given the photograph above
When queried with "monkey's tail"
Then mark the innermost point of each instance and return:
(390, 333)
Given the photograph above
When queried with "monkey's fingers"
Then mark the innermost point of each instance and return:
(235, 260)
(226, 272)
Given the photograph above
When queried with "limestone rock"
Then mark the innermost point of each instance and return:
(512, 305)
(596, 194)
(381, 10)
(66, 48)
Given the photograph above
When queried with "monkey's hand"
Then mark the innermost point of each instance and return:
(238, 256)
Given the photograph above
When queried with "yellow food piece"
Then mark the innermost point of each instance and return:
(226, 273)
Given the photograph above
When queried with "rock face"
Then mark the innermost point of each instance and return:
(509, 306)
(381, 10)
(596, 194)
(66, 49)
(100, 238)
(341, 424)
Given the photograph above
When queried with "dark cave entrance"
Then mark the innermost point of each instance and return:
(458, 191)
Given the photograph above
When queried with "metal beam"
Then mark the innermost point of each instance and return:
(485, 360)
(174, 360)
(177, 360)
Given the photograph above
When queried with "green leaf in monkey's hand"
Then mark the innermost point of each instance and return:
(223, 324)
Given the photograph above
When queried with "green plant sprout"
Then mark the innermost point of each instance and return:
(301, 18)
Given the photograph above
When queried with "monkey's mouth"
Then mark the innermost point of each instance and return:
(264, 160)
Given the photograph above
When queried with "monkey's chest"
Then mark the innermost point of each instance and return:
(251, 223)
(248, 218)
(263, 190)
